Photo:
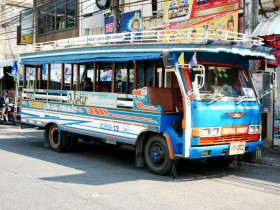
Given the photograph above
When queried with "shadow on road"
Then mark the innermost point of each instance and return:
(108, 164)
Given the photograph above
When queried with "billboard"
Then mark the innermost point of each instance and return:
(208, 15)
(176, 10)
(129, 22)
(26, 27)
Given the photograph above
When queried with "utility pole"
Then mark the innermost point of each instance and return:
(251, 22)
(251, 16)
(115, 4)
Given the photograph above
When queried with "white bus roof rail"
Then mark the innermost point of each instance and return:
(189, 36)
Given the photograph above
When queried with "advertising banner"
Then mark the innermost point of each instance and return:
(211, 24)
(26, 29)
(202, 16)
(92, 98)
(129, 21)
(176, 10)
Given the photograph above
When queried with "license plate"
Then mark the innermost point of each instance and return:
(237, 148)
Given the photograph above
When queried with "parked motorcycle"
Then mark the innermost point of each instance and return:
(10, 114)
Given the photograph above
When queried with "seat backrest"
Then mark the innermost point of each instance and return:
(163, 97)
(177, 99)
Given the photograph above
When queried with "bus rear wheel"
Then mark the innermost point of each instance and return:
(220, 162)
(156, 155)
(57, 139)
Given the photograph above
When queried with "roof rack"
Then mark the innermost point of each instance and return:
(186, 36)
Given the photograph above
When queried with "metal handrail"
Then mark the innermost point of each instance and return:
(188, 36)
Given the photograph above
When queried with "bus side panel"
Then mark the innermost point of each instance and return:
(110, 124)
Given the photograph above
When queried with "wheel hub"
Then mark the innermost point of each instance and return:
(157, 153)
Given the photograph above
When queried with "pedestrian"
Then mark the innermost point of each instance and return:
(4, 101)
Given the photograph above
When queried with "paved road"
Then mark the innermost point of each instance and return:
(94, 177)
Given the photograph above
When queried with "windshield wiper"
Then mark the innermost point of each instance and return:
(242, 99)
(215, 99)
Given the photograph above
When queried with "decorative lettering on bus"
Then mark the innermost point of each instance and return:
(107, 126)
(60, 107)
(234, 130)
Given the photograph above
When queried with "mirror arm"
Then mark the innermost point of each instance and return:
(265, 93)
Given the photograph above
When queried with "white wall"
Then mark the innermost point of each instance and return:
(8, 41)
(93, 23)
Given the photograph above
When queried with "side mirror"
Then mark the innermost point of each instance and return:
(264, 82)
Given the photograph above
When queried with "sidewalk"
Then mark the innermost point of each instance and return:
(270, 156)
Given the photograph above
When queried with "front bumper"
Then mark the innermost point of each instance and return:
(220, 150)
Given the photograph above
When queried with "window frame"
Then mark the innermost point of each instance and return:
(45, 26)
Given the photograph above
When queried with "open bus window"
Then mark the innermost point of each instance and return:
(225, 82)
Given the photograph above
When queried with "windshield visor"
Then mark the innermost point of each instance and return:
(222, 84)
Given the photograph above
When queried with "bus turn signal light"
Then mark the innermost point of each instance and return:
(184, 124)
(196, 132)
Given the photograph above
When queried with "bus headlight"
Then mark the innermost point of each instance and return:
(205, 132)
(215, 131)
(254, 129)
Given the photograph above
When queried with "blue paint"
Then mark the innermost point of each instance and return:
(202, 116)
(219, 150)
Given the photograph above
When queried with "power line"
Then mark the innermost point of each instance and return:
(8, 10)
(17, 18)
(82, 16)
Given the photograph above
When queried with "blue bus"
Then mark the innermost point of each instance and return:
(171, 99)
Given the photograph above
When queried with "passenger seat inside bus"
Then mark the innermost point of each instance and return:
(169, 98)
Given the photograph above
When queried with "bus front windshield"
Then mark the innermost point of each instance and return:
(222, 83)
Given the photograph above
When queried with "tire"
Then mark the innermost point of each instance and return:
(58, 140)
(73, 140)
(220, 162)
(13, 120)
(157, 155)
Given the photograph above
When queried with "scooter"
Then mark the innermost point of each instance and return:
(10, 114)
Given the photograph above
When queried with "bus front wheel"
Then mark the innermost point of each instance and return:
(157, 155)
(57, 139)
(220, 162)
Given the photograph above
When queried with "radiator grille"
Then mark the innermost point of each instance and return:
(206, 141)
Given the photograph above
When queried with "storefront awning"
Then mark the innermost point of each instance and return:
(269, 29)
(268, 26)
